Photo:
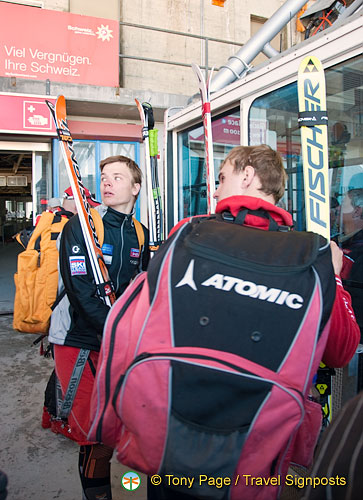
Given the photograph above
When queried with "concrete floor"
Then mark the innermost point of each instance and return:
(39, 464)
(8, 259)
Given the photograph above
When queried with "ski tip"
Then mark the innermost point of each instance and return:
(139, 107)
(197, 71)
(310, 64)
(210, 79)
(50, 105)
(61, 99)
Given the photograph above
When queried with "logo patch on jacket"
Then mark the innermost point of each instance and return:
(77, 265)
(107, 251)
(135, 253)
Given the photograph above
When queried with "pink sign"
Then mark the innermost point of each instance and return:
(25, 115)
(225, 130)
(41, 44)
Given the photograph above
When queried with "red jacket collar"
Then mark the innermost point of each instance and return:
(235, 204)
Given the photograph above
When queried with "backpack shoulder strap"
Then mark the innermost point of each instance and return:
(44, 222)
(97, 219)
(139, 233)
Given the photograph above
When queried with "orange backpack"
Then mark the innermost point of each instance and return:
(36, 279)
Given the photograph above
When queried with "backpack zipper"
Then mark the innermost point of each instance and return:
(145, 356)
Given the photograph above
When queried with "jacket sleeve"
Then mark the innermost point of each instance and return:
(76, 272)
(344, 332)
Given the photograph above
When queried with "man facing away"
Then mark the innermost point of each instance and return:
(82, 327)
(253, 178)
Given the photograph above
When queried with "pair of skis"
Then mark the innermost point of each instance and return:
(204, 89)
(150, 139)
(149, 136)
(99, 269)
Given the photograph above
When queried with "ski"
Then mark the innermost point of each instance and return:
(149, 137)
(208, 141)
(98, 265)
(313, 123)
(154, 151)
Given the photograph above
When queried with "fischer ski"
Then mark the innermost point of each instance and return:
(149, 137)
(208, 141)
(99, 269)
(313, 123)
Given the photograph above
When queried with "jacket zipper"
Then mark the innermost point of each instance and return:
(121, 252)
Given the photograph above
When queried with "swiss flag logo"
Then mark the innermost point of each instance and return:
(36, 116)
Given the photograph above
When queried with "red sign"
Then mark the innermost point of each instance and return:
(225, 130)
(41, 44)
(24, 114)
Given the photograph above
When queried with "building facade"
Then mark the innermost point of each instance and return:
(101, 56)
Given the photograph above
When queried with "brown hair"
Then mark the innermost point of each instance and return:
(267, 164)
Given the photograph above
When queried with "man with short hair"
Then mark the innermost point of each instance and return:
(82, 328)
(251, 182)
(253, 178)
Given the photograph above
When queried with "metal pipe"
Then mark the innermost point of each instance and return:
(269, 51)
(239, 63)
(348, 11)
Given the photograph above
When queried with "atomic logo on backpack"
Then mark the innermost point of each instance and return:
(242, 287)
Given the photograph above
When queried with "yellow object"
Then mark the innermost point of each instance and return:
(36, 279)
(314, 146)
(299, 25)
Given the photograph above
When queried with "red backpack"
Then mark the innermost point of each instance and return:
(207, 359)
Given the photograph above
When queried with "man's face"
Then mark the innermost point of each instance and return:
(118, 189)
(230, 182)
(352, 215)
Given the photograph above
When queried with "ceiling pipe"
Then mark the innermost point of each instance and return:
(269, 51)
(349, 11)
(238, 64)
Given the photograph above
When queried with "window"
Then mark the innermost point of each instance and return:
(192, 175)
(273, 120)
(88, 155)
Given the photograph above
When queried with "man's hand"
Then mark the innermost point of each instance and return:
(336, 257)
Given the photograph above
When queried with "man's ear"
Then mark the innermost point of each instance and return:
(248, 173)
(136, 188)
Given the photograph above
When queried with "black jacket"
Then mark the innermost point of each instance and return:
(120, 248)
